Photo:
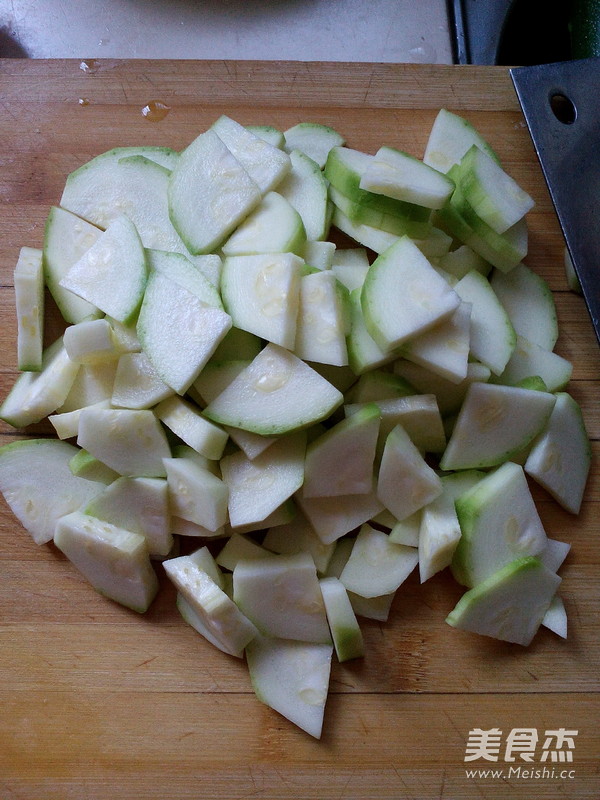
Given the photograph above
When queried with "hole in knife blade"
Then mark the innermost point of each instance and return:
(563, 108)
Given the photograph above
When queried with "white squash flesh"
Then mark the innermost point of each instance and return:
(38, 485)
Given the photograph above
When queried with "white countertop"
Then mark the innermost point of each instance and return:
(298, 30)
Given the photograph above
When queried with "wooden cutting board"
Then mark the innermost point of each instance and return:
(97, 702)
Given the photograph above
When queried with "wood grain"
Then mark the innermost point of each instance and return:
(97, 702)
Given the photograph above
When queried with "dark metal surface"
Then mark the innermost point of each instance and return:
(512, 32)
(562, 110)
(475, 28)
(458, 32)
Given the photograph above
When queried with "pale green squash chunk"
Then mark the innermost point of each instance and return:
(314, 139)
(216, 376)
(553, 555)
(188, 275)
(364, 354)
(112, 273)
(389, 224)
(406, 482)
(352, 272)
(397, 174)
(118, 182)
(251, 444)
(341, 461)
(280, 594)
(504, 250)
(91, 341)
(66, 238)
(298, 536)
(499, 523)
(510, 605)
(265, 163)
(555, 619)
(450, 138)
(269, 133)
(184, 527)
(239, 548)
(272, 227)
(385, 518)
(533, 382)
(403, 295)
(140, 505)
(204, 559)
(197, 621)
(318, 254)
(305, 188)
(378, 385)
(320, 333)
(34, 395)
(340, 377)
(188, 423)
(419, 416)
(529, 303)
(529, 359)
(137, 384)
(450, 396)
(185, 451)
(213, 379)
(195, 494)
(344, 170)
(367, 235)
(333, 517)
(93, 384)
(218, 614)
(237, 344)
(261, 293)
(444, 349)
(209, 193)
(462, 260)
(492, 193)
(131, 442)
(434, 244)
(345, 630)
(259, 486)
(406, 531)
(38, 485)
(377, 608)
(114, 560)
(125, 336)
(494, 423)
(292, 678)
(178, 331)
(29, 306)
(339, 559)
(66, 424)
(439, 531)
(492, 336)
(85, 465)
(350, 257)
(561, 456)
(377, 566)
(283, 514)
(275, 394)
(165, 157)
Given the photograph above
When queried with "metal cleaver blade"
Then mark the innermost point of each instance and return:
(561, 105)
